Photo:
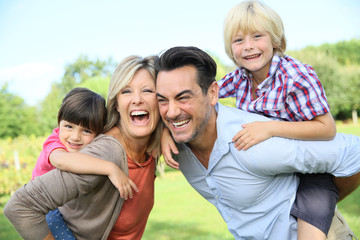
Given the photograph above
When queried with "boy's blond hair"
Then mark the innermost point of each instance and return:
(252, 16)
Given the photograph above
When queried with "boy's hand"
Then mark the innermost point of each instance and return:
(251, 134)
(122, 183)
(168, 146)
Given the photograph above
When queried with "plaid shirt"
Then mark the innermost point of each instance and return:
(292, 91)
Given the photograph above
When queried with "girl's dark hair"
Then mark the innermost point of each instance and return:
(84, 107)
(178, 57)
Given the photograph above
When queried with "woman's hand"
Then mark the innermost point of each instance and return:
(167, 147)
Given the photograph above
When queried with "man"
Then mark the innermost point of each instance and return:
(253, 190)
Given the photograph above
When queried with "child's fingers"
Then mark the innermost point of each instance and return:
(133, 186)
(238, 135)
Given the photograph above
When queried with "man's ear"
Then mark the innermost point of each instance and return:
(214, 93)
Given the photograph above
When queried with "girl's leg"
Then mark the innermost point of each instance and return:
(58, 226)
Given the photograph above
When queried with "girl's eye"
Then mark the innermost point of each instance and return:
(124, 91)
(68, 126)
(88, 131)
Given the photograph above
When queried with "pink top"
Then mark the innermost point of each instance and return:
(43, 164)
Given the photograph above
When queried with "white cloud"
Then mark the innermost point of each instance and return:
(31, 81)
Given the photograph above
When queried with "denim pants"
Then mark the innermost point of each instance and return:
(58, 226)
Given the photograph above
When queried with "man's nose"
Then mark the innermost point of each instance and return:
(173, 110)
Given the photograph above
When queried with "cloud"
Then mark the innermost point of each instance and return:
(31, 81)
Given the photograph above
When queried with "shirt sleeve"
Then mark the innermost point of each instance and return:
(306, 97)
(28, 206)
(227, 84)
(340, 156)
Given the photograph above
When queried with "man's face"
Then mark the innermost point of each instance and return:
(183, 107)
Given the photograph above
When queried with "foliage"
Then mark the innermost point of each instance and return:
(16, 118)
(94, 75)
(345, 52)
(338, 68)
(83, 69)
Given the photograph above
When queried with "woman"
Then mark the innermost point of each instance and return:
(90, 204)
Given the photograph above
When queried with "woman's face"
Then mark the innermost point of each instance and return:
(137, 106)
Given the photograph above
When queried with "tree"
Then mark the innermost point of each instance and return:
(339, 87)
(94, 75)
(16, 118)
(82, 69)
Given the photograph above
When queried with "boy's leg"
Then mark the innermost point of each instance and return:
(347, 185)
(315, 204)
(58, 226)
(339, 229)
(307, 231)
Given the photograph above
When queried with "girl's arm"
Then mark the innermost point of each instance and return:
(319, 128)
(81, 163)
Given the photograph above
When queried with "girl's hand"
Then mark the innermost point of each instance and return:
(167, 147)
(124, 184)
(251, 134)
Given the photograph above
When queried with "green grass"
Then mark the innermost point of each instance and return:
(181, 213)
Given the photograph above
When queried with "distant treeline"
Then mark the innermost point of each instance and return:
(337, 66)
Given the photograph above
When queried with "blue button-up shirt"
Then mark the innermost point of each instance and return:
(254, 190)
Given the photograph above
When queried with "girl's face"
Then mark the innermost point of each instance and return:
(74, 137)
(137, 106)
(253, 51)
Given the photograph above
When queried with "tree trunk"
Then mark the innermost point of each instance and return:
(354, 116)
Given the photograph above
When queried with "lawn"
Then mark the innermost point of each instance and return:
(181, 213)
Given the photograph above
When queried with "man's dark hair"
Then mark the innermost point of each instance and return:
(178, 57)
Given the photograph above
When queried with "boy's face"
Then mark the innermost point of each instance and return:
(74, 137)
(253, 51)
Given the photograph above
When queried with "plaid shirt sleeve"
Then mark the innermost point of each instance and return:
(307, 98)
(227, 84)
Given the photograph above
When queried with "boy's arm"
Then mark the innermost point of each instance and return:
(81, 163)
(319, 128)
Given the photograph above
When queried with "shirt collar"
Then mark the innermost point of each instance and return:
(275, 63)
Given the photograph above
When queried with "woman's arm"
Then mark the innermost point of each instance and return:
(81, 163)
(28, 206)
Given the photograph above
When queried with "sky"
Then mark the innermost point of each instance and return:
(38, 38)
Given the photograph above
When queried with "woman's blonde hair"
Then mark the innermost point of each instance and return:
(122, 76)
(252, 16)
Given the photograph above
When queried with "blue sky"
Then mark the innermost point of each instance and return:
(39, 37)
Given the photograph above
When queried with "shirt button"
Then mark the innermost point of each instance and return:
(229, 218)
(217, 197)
